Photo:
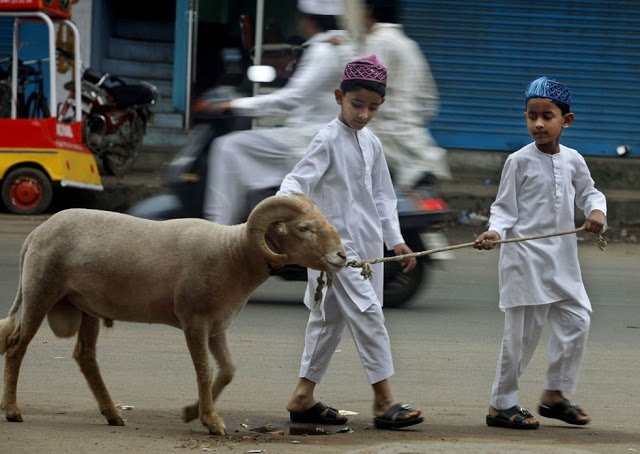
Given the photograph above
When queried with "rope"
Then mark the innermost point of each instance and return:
(367, 272)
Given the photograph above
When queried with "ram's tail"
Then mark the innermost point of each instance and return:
(8, 325)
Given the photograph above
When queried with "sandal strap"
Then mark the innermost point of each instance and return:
(571, 409)
(521, 414)
(331, 412)
(397, 411)
(526, 413)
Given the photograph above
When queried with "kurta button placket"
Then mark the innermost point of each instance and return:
(367, 170)
(556, 162)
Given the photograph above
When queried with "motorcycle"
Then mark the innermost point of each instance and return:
(420, 210)
(115, 117)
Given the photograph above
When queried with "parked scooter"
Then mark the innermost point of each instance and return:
(419, 211)
(115, 117)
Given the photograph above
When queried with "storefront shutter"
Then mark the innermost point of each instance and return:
(483, 54)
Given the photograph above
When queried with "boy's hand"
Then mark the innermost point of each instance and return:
(595, 222)
(409, 263)
(485, 240)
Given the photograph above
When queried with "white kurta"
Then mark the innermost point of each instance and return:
(345, 173)
(537, 195)
(260, 158)
(411, 102)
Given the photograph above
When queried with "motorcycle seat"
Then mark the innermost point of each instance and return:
(131, 95)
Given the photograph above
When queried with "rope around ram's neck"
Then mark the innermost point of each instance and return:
(367, 272)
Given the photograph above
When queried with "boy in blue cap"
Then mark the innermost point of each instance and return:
(540, 280)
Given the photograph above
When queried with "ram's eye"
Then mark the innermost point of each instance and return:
(304, 228)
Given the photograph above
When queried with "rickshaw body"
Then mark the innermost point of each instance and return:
(40, 155)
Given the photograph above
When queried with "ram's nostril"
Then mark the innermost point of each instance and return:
(342, 255)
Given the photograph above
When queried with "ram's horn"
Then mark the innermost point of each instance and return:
(269, 211)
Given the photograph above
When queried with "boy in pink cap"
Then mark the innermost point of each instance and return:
(344, 171)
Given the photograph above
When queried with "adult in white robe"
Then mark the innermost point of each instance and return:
(412, 101)
(345, 172)
(260, 158)
(540, 279)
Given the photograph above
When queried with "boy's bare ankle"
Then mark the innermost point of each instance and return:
(300, 402)
(551, 397)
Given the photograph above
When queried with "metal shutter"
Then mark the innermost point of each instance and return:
(484, 53)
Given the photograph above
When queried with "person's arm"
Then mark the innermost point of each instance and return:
(318, 59)
(588, 199)
(309, 170)
(384, 196)
(387, 206)
(504, 210)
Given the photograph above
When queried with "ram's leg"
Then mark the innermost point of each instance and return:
(226, 371)
(85, 356)
(16, 348)
(220, 351)
(196, 341)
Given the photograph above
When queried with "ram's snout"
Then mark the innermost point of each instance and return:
(335, 260)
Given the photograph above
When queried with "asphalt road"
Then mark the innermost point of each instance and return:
(445, 348)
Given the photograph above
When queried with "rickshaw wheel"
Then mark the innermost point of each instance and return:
(26, 190)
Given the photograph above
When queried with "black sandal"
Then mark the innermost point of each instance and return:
(318, 414)
(395, 417)
(564, 411)
(505, 418)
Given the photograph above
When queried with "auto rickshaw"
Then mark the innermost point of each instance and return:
(40, 155)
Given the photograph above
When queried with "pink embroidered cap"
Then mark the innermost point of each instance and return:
(366, 68)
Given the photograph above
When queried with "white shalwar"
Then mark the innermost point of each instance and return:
(345, 173)
(260, 158)
(411, 102)
(541, 279)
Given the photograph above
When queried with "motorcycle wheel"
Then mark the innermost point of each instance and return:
(399, 287)
(26, 190)
(118, 160)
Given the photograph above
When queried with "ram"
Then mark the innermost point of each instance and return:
(81, 266)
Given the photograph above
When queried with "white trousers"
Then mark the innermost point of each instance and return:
(238, 162)
(569, 323)
(324, 334)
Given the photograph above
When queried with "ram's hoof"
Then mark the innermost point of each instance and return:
(114, 418)
(221, 432)
(115, 421)
(190, 412)
(14, 417)
(215, 424)
(11, 412)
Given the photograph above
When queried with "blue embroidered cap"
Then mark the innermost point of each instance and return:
(544, 87)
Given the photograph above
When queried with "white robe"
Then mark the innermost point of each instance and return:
(345, 173)
(260, 158)
(537, 194)
(307, 99)
(411, 102)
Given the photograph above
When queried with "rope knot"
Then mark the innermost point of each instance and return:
(366, 272)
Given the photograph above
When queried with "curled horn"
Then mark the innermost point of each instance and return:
(269, 211)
